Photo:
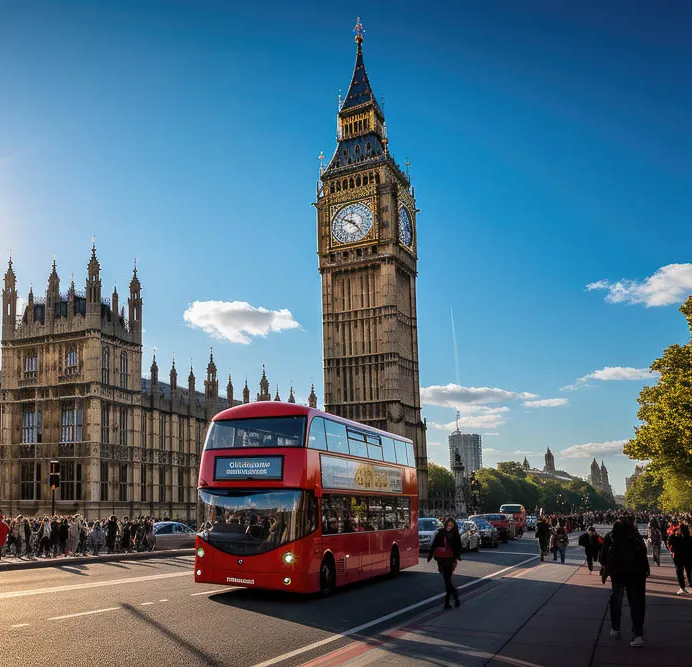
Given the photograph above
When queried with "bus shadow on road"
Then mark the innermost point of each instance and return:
(345, 607)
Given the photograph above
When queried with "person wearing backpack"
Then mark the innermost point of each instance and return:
(446, 550)
(679, 546)
(655, 538)
(558, 543)
(624, 559)
(592, 542)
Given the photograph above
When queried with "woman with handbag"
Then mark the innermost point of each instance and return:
(446, 550)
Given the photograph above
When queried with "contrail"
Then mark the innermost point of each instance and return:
(456, 348)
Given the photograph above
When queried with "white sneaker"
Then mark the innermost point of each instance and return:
(681, 591)
(688, 591)
(615, 634)
(637, 642)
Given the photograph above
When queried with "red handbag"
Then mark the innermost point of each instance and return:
(443, 552)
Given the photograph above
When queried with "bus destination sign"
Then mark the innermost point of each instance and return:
(248, 467)
(338, 473)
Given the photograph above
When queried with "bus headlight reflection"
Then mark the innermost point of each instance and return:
(200, 552)
(287, 581)
(288, 558)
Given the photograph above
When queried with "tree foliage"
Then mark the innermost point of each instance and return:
(512, 468)
(665, 435)
(644, 492)
(440, 480)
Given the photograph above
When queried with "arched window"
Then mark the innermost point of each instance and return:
(357, 181)
(350, 182)
(123, 370)
(71, 361)
(105, 365)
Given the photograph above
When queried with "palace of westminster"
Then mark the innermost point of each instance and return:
(72, 389)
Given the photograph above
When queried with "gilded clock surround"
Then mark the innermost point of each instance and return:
(370, 330)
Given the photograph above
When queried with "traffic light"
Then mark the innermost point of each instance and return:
(54, 475)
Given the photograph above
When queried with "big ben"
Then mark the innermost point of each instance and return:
(367, 247)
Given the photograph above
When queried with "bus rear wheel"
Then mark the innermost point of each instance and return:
(394, 563)
(327, 576)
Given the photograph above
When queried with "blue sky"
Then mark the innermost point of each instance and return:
(549, 147)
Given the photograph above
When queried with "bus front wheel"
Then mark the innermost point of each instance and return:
(327, 576)
(394, 563)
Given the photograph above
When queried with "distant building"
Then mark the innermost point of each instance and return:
(468, 446)
(599, 478)
(549, 471)
(549, 462)
(638, 470)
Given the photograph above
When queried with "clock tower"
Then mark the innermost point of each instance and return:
(367, 247)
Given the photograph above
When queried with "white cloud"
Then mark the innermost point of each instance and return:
(489, 451)
(485, 435)
(525, 452)
(476, 417)
(433, 444)
(669, 285)
(454, 395)
(238, 321)
(591, 449)
(611, 374)
(546, 403)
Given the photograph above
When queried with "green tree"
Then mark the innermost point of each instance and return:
(511, 468)
(665, 436)
(677, 494)
(644, 493)
(440, 480)
(493, 492)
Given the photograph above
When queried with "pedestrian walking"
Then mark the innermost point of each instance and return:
(592, 543)
(446, 550)
(111, 533)
(97, 537)
(655, 538)
(4, 531)
(624, 559)
(558, 543)
(680, 548)
(542, 536)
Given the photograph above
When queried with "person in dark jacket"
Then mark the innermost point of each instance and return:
(63, 534)
(111, 533)
(592, 542)
(543, 536)
(446, 550)
(624, 559)
(680, 550)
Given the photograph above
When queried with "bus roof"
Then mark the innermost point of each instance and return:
(282, 409)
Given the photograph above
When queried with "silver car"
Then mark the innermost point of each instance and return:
(470, 535)
(426, 532)
(173, 535)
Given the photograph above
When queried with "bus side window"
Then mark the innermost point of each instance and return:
(316, 438)
(401, 452)
(388, 450)
(356, 443)
(410, 454)
(374, 448)
(336, 437)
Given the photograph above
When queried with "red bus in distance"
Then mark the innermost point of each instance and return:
(299, 500)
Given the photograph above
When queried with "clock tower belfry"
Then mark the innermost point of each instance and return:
(367, 247)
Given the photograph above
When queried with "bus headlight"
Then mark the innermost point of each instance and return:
(199, 573)
(287, 581)
(200, 552)
(288, 558)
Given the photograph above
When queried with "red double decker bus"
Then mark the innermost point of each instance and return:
(296, 499)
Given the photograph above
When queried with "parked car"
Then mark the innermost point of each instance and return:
(531, 523)
(490, 537)
(173, 535)
(470, 537)
(426, 531)
(504, 524)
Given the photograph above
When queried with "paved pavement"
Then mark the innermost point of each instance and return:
(516, 610)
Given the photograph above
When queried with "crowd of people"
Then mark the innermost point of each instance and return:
(72, 536)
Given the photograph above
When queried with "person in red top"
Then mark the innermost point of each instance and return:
(4, 529)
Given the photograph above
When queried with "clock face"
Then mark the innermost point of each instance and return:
(352, 223)
(405, 227)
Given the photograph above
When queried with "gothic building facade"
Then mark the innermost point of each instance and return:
(367, 247)
(599, 478)
(72, 391)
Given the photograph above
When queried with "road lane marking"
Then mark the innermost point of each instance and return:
(95, 584)
(507, 553)
(223, 590)
(163, 600)
(20, 625)
(144, 604)
(382, 619)
(526, 571)
(84, 613)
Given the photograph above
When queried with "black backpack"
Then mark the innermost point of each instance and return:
(622, 555)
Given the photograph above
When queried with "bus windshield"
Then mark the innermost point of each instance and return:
(252, 522)
(258, 432)
(514, 509)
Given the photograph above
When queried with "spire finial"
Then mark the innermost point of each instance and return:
(360, 31)
(458, 415)
(54, 258)
(10, 266)
(154, 353)
(320, 157)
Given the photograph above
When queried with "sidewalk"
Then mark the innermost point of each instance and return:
(9, 564)
(547, 616)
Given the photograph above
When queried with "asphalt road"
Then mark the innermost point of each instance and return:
(146, 612)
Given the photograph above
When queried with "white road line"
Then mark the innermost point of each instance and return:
(503, 553)
(527, 570)
(381, 619)
(84, 613)
(20, 625)
(163, 600)
(144, 604)
(95, 584)
(222, 590)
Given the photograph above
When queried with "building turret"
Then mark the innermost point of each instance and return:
(154, 372)
(70, 300)
(264, 394)
(526, 465)
(9, 302)
(30, 307)
(277, 397)
(191, 384)
(549, 462)
(604, 475)
(52, 294)
(291, 397)
(115, 303)
(211, 384)
(174, 379)
(93, 289)
(229, 391)
(135, 306)
(595, 474)
(246, 393)
(312, 399)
